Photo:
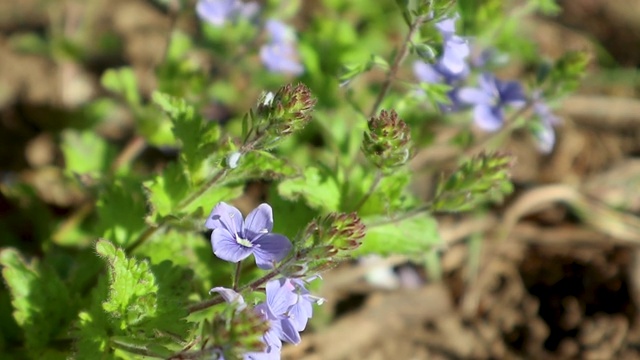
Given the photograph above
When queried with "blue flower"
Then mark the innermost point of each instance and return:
(218, 12)
(455, 48)
(234, 239)
(490, 99)
(545, 133)
(280, 54)
(438, 74)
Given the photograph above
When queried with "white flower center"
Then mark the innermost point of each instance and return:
(243, 242)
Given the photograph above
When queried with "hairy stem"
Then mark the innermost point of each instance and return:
(219, 300)
(399, 58)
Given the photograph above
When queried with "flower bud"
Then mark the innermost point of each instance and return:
(484, 178)
(288, 111)
(386, 144)
(326, 241)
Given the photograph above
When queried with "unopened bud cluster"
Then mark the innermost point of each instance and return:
(484, 178)
(327, 241)
(387, 142)
(288, 111)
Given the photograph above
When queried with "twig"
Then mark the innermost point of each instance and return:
(219, 300)
(404, 51)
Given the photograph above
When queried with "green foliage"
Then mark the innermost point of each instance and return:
(43, 307)
(316, 186)
(479, 180)
(144, 307)
(121, 211)
(86, 152)
(412, 235)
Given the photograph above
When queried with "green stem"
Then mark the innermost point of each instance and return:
(372, 189)
(395, 67)
(236, 276)
(219, 300)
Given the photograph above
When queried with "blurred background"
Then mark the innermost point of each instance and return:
(554, 272)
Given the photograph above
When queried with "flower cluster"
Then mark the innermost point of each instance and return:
(491, 97)
(279, 54)
(451, 68)
(288, 305)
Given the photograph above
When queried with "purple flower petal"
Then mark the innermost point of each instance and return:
(230, 296)
(225, 216)
(281, 58)
(280, 297)
(489, 118)
(546, 138)
(456, 49)
(215, 12)
(270, 248)
(447, 27)
(300, 313)
(279, 31)
(511, 92)
(289, 332)
(474, 96)
(260, 220)
(426, 72)
(227, 248)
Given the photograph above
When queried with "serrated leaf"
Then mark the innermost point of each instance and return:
(121, 212)
(316, 187)
(132, 286)
(410, 236)
(197, 138)
(122, 82)
(260, 165)
(168, 196)
(86, 152)
(41, 302)
(143, 307)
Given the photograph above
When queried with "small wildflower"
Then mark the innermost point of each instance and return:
(280, 55)
(455, 48)
(234, 239)
(544, 133)
(230, 296)
(490, 100)
(438, 74)
(218, 12)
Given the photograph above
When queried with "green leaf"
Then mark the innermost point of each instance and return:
(316, 187)
(168, 196)
(146, 304)
(260, 164)
(133, 288)
(197, 138)
(121, 212)
(41, 302)
(86, 152)
(122, 82)
(411, 236)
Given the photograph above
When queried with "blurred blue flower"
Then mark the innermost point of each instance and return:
(218, 12)
(455, 48)
(439, 74)
(280, 54)
(490, 100)
(545, 133)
